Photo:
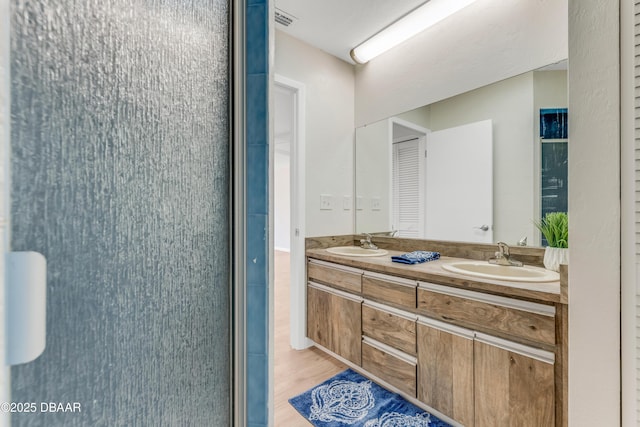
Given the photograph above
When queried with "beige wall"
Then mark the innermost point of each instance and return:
(421, 116)
(329, 133)
(594, 213)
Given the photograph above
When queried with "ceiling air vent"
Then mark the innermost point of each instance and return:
(284, 18)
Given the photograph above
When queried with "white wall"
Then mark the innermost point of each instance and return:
(281, 202)
(594, 213)
(329, 132)
(630, 256)
(462, 53)
(373, 163)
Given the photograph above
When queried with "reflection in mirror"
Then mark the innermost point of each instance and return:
(468, 168)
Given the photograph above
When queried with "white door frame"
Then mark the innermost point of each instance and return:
(423, 138)
(630, 267)
(5, 149)
(297, 289)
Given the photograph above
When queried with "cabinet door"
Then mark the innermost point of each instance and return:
(347, 328)
(445, 369)
(514, 387)
(334, 321)
(319, 312)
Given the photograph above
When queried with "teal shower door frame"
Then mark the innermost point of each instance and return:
(253, 282)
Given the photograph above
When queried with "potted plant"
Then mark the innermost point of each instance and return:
(555, 228)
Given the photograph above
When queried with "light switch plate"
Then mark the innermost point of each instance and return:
(376, 203)
(326, 202)
(346, 203)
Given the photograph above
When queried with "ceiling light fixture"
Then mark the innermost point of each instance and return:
(406, 27)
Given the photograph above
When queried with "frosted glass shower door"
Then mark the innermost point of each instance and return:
(120, 177)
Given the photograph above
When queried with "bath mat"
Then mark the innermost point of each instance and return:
(349, 399)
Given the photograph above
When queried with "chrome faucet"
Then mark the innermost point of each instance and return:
(503, 256)
(392, 233)
(366, 242)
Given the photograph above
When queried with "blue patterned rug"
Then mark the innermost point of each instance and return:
(349, 399)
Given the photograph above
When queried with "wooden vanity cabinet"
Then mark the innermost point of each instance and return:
(481, 359)
(334, 321)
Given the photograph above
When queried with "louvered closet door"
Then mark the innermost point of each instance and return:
(408, 188)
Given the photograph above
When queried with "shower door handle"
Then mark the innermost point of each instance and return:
(26, 302)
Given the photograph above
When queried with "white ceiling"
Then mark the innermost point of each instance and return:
(337, 26)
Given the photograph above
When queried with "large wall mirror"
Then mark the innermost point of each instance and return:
(481, 166)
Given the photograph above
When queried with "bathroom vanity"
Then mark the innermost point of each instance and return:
(483, 352)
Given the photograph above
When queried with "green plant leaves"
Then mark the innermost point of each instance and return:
(555, 228)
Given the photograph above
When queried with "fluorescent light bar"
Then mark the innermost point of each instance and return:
(406, 27)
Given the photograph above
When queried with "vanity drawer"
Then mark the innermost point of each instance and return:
(395, 291)
(390, 365)
(335, 275)
(392, 327)
(519, 320)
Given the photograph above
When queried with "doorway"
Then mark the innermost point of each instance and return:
(296, 366)
(289, 196)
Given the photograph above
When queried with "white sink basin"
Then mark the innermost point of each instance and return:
(356, 251)
(485, 270)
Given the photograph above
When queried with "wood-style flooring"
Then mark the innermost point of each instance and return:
(295, 370)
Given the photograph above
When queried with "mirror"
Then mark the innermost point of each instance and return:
(505, 114)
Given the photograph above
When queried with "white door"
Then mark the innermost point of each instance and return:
(459, 202)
